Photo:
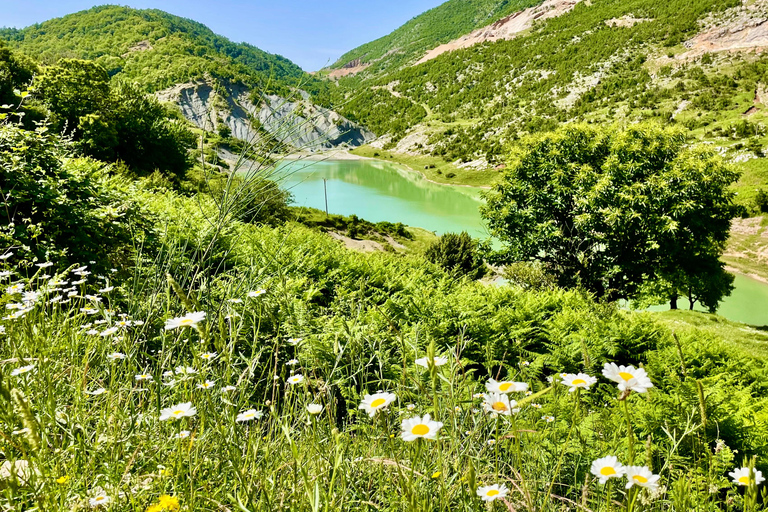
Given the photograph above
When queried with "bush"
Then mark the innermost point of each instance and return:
(58, 208)
(761, 201)
(457, 253)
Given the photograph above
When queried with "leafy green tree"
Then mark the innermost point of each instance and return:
(609, 209)
(73, 89)
(62, 209)
(458, 253)
(15, 71)
(111, 120)
(148, 136)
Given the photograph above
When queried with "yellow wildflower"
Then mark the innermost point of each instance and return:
(62, 480)
(169, 502)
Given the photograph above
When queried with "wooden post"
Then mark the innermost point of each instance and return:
(325, 190)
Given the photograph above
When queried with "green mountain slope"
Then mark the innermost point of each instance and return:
(605, 61)
(432, 28)
(151, 47)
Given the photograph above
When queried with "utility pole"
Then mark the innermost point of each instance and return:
(325, 189)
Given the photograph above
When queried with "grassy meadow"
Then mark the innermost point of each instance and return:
(241, 367)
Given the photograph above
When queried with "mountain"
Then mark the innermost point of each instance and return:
(426, 31)
(217, 84)
(699, 65)
(151, 47)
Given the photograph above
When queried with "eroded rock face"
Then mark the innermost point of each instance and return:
(506, 28)
(739, 29)
(296, 121)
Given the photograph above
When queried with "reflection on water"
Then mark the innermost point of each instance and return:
(379, 191)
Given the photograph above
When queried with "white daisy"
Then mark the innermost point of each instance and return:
(44, 265)
(109, 332)
(107, 289)
(249, 415)
(182, 435)
(436, 361)
(115, 356)
(578, 380)
(227, 389)
(741, 476)
(607, 467)
(418, 427)
(209, 356)
(15, 288)
(294, 341)
(376, 402)
(642, 476)
(100, 500)
(235, 301)
(208, 384)
(628, 377)
(295, 379)
(188, 320)
(143, 376)
(178, 411)
(257, 293)
(22, 370)
(292, 362)
(96, 392)
(498, 403)
(492, 492)
(507, 386)
(548, 419)
(314, 409)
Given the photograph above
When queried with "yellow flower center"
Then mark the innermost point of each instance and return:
(640, 479)
(576, 382)
(492, 492)
(377, 403)
(420, 430)
(186, 321)
(499, 406)
(744, 480)
(607, 471)
(505, 386)
(178, 412)
(99, 498)
(626, 376)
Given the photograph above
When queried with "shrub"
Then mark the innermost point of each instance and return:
(457, 253)
(58, 208)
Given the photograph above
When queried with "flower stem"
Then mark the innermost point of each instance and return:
(630, 434)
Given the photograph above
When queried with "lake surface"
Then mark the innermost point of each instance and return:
(379, 191)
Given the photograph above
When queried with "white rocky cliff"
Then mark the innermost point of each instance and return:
(296, 121)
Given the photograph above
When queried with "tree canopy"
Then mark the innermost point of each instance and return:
(610, 210)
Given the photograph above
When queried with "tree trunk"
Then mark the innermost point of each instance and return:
(673, 302)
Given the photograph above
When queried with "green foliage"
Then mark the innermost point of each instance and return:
(60, 209)
(492, 93)
(16, 71)
(442, 24)
(457, 253)
(177, 49)
(364, 320)
(352, 225)
(610, 210)
(113, 120)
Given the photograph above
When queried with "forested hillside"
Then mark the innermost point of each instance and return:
(436, 26)
(153, 48)
(692, 64)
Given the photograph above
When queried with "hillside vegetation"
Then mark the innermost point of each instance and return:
(467, 106)
(152, 48)
(444, 23)
(175, 337)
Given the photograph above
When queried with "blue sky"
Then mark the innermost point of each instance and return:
(311, 33)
